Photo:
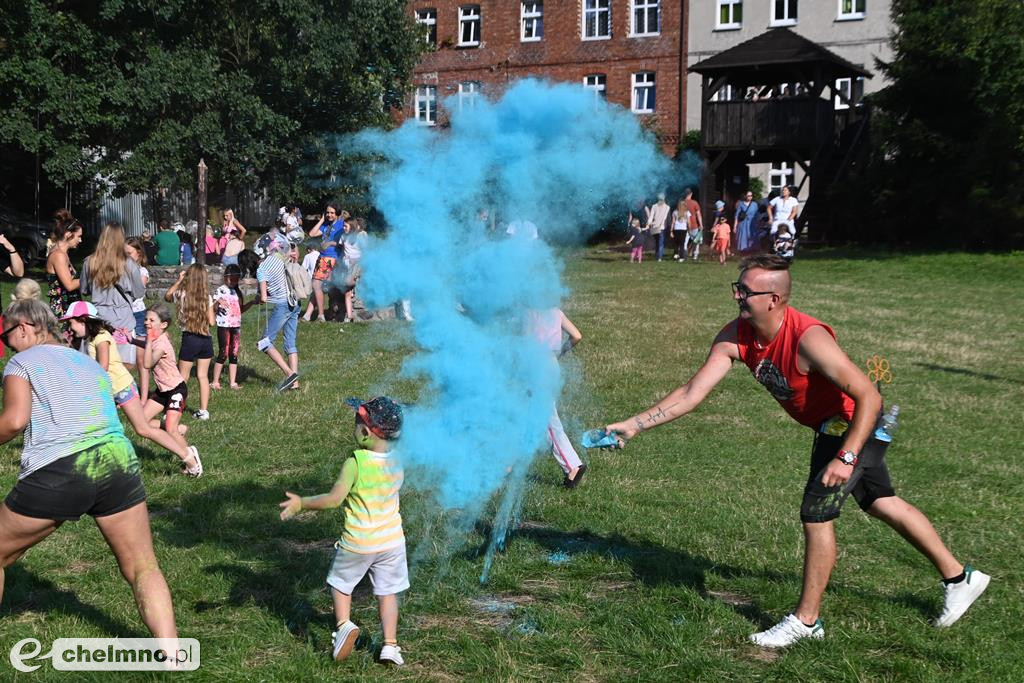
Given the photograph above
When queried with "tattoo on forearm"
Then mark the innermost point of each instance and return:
(639, 424)
(656, 416)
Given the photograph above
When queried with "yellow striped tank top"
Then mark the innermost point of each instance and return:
(372, 520)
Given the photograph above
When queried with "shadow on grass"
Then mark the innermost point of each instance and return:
(27, 592)
(967, 372)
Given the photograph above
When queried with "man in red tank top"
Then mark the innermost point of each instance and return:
(798, 361)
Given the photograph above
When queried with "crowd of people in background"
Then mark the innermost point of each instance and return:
(749, 227)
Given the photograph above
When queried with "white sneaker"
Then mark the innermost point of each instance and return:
(787, 632)
(960, 596)
(344, 640)
(201, 414)
(197, 469)
(391, 654)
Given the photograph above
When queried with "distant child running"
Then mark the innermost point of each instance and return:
(637, 240)
(171, 390)
(230, 304)
(547, 326)
(372, 539)
(721, 234)
(195, 315)
(97, 340)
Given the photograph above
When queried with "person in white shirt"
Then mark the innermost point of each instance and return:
(656, 221)
(783, 210)
(309, 265)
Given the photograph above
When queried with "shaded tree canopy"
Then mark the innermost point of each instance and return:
(949, 169)
(136, 91)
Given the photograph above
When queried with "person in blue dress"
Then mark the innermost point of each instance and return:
(745, 222)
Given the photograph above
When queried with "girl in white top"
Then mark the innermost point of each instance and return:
(680, 225)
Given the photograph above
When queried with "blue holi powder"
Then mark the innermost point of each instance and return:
(558, 558)
(542, 153)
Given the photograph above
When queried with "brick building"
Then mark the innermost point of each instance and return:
(632, 52)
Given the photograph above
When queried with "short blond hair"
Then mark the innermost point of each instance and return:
(27, 288)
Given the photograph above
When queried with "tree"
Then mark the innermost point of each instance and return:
(136, 91)
(948, 168)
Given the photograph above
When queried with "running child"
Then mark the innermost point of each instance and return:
(171, 389)
(195, 315)
(721, 234)
(230, 304)
(96, 337)
(637, 240)
(372, 539)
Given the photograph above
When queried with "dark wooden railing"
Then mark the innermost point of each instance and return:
(796, 123)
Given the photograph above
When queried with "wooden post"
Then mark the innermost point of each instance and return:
(200, 248)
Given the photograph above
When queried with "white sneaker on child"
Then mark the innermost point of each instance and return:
(960, 596)
(201, 414)
(344, 640)
(391, 654)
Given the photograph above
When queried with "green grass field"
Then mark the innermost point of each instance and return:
(660, 564)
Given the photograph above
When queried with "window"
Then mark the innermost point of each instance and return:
(780, 174)
(730, 14)
(646, 18)
(643, 92)
(428, 18)
(597, 84)
(468, 92)
(532, 14)
(852, 9)
(469, 25)
(426, 105)
(783, 13)
(852, 90)
(597, 19)
(724, 94)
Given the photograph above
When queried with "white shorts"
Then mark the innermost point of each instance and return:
(388, 570)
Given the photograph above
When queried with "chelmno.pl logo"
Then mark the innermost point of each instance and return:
(109, 654)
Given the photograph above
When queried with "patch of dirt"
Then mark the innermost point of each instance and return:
(731, 598)
(300, 547)
(763, 654)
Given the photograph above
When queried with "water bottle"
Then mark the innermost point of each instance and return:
(888, 425)
(599, 438)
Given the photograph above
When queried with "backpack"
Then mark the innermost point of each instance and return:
(300, 285)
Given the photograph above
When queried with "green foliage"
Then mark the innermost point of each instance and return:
(756, 186)
(690, 141)
(136, 92)
(951, 127)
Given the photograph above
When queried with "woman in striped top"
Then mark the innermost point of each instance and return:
(76, 459)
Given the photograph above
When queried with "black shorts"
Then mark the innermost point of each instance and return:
(99, 481)
(821, 503)
(195, 347)
(172, 399)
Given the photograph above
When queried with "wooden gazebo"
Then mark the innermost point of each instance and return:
(771, 99)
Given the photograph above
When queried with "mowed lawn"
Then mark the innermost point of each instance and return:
(660, 564)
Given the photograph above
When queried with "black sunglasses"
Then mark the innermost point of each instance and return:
(745, 293)
(3, 335)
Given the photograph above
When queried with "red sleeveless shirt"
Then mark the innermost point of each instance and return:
(810, 399)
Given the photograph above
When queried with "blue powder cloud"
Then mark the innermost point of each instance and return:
(547, 154)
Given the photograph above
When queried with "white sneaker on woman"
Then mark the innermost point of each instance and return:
(391, 654)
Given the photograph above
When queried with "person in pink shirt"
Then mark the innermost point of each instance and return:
(721, 236)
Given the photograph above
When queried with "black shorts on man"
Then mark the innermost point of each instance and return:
(822, 503)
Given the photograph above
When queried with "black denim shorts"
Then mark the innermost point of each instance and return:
(822, 503)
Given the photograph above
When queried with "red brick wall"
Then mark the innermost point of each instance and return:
(562, 55)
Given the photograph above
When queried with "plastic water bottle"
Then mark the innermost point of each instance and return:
(888, 425)
(599, 438)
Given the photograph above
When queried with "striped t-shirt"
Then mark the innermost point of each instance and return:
(72, 404)
(372, 520)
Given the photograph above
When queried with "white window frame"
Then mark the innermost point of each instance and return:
(531, 14)
(791, 17)
(847, 87)
(645, 85)
(425, 103)
(597, 84)
(784, 173)
(427, 16)
(470, 14)
(600, 7)
(735, 7)
(854, 13)
(724, 94)
(643, 8)
(468, 92)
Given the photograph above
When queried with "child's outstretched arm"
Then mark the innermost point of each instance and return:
(332, 499)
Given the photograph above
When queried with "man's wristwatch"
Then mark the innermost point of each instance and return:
(847, 457)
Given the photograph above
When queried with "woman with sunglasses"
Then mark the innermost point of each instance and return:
(76, 459)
